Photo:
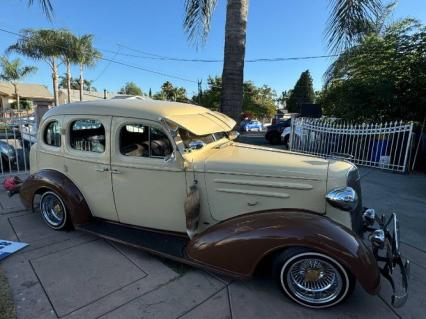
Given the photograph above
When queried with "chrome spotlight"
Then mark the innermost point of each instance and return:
(369, 216)
(344, 198)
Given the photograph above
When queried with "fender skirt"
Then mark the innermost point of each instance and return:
(238, 244)
(59, 183)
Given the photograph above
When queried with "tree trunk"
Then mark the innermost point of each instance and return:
(55, 81)
(81, 82)
(68, 81)
(18, 102)
(233, 66)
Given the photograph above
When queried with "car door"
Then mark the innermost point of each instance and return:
(148, 182)
(87, 161)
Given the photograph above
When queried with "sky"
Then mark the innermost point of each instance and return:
(276, 28)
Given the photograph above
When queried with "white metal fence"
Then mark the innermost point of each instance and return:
(17, 134)
(382, 145)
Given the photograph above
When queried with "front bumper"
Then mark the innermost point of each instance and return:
(384, 236)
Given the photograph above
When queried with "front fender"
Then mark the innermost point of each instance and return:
(61, 184)
(238, 244)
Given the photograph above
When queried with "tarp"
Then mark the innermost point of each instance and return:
(8, 247)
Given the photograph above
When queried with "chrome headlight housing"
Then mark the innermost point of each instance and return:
(344, 198)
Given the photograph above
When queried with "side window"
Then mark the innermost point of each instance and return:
(52, 134)
(87, 135)
(143, 141)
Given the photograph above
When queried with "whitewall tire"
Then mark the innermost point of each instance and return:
(53, 210)
(312, 279)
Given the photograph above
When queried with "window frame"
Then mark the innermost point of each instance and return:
(150, 125)
(43, 133)
(70, 149)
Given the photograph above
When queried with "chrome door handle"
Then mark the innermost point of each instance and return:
(101, 169)
(114, 171)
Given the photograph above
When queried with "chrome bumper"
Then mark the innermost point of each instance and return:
(385, 240)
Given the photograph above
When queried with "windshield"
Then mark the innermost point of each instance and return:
(188, 137)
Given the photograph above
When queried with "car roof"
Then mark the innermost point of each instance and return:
(196, 119)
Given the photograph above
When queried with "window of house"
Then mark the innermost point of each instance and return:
(88, 136)
(144, 141)
(52, 134)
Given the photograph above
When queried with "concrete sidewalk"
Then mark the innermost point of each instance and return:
(75, 275)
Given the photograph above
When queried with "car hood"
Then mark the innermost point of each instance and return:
(243, 178)
(256, 160)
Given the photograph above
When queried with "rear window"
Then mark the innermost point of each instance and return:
(52, 134)
(87, 135)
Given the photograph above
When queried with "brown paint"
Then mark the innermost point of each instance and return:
(59, 183)
(237, 245)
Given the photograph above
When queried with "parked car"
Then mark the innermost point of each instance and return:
(274, 132)
(169, 178)
(251, 125)
(8, 156)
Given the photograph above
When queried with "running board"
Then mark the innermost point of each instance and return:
(168, 245)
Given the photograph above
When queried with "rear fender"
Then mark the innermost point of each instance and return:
(56, 181)
(238, 244)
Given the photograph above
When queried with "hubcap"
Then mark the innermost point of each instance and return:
(314, 280)
(53, 209)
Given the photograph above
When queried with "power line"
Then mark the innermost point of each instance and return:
(116, 61)
(168, 58)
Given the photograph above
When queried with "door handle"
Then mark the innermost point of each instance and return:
(102, 169)
(114, 171)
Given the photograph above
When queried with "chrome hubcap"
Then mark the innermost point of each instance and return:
(314, 280)
(53, 209)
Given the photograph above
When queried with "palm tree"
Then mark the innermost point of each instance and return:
(43, 44)
(46, 7)
(349, 20)
(69, 56)
(85, 55)
(13, 72)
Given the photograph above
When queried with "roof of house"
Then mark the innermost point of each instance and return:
(197, 119)
(26, 90)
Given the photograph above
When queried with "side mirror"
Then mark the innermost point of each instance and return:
(196, 145)
(233, 135)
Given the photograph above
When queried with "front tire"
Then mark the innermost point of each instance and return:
(54, 211)
(312, 279)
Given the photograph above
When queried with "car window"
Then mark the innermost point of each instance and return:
(144, 141)
(52, 134)
(87, 135)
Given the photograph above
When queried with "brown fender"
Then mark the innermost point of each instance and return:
(238, 244)
(58, 182)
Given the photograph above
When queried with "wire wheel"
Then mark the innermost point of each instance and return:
(314, 280)
(53, 210)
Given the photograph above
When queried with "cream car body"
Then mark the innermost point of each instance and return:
(233, 178)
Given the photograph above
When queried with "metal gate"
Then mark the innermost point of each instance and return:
(382, 145)
(17, 134)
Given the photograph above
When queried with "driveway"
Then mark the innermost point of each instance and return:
(75, 275)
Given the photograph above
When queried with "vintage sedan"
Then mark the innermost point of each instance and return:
(169, 178)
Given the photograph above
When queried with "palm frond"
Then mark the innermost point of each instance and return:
(46, 6)
(350, 20)
(198, 14)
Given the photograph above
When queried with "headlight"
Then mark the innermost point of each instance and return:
(344, 198)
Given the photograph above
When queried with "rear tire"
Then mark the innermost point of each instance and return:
(53, 211)
(312, 279)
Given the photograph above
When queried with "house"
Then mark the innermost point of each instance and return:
(35, 94)
(87, 96)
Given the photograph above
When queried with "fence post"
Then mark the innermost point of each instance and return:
(407, 148)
